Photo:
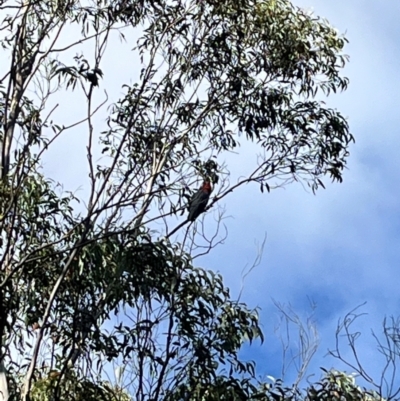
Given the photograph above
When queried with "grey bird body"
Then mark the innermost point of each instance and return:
(199, 201)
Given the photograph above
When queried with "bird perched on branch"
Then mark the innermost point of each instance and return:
(199, 200)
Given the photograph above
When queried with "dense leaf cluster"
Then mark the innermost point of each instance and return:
(93, 278)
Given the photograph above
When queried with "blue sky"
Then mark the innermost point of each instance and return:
(339, 248)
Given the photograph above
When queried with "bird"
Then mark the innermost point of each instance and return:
(198, 202)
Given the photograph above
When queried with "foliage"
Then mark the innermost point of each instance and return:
(333, 386)
(72, 388)
(98, 277)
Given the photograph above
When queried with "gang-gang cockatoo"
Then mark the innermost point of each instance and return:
(199, 200)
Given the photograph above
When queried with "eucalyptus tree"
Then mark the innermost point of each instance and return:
(208, 77)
